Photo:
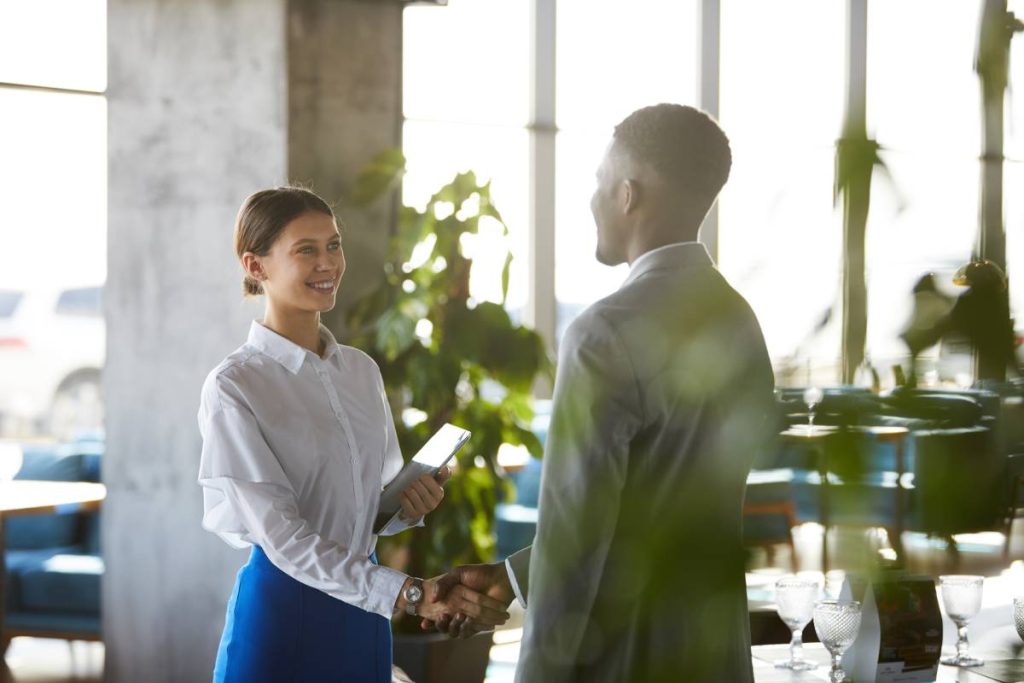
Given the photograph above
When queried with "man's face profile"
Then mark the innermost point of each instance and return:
(606, 207)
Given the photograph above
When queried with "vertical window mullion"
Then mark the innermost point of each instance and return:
(540, 312)
(708, 89)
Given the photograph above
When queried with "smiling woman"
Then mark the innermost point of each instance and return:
(298, 442)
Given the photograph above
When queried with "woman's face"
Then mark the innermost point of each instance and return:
(304, 266)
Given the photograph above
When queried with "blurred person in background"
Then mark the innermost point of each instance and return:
(930, 309)
(981, 316)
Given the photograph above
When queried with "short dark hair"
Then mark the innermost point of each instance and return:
(682, 144)
(264, 216)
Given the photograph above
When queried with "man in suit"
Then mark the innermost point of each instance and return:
(637, 570)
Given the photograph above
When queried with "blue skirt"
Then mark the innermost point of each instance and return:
(278, 629)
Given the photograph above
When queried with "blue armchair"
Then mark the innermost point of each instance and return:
(54, 565)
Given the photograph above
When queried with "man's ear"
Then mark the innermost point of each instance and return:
(253, 267)
(630, 196)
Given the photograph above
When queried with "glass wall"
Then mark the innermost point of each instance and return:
(612, 58)
(53, 190)
(466, 90)
(782, 85)
(780, 236)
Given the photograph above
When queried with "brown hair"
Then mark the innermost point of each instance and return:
(263, 217)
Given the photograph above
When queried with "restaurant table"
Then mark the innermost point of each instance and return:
(25, 497)
(998, 668)
(991, 635)
(814, 437)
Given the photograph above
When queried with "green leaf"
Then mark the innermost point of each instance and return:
(379, 177)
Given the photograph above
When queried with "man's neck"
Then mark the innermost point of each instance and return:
(656, 241)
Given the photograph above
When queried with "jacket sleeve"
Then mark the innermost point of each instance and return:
(596, 413)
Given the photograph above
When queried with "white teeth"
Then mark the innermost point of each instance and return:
(328, 285)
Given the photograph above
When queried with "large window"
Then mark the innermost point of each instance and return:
(781, 80)
(53, 191)
(924, 108)
(612, 58)
(780, 237)
(466, 101)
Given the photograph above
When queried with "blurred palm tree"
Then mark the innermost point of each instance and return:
(856, 159)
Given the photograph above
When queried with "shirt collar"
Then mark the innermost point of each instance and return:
(285, 351)
(676, 255)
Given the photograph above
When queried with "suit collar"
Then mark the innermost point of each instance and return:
(678, 255)
(283, 350)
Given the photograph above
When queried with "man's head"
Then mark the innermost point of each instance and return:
(660, 175)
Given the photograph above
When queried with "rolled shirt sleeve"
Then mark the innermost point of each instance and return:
(296, 549)
(249, 499)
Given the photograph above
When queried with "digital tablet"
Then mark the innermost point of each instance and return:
(441, 447)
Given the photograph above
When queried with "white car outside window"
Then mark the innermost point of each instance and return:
(52, 349)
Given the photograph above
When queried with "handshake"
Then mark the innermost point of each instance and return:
(467, 600)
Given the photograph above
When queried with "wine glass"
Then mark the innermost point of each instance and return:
(794, 600)
(812, 397)
(1018, 616)
(836, 622)
(961, 596)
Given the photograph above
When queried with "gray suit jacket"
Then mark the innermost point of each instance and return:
(637, 574)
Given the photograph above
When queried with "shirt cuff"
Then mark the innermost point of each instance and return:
(384, 589)
(397, 524)
(515, 584)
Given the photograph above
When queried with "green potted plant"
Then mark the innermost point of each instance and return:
(444, 358)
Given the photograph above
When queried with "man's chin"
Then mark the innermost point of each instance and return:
(607, 259)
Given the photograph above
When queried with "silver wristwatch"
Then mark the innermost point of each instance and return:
(413, 596)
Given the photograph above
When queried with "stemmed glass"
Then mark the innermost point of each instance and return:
(961, 596)
(794, 600)
(1018, 616)
(812, 397)
(836, 622)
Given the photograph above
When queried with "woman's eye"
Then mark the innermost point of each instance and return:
(306, 250)
(334, 246)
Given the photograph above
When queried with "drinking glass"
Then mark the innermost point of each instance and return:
(836, 622)
(1018, 616)
(812, 397)
(794, 600)
(961, 596)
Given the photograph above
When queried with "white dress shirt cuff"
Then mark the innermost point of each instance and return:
(515, 584)
(385, 585)
(398, 524)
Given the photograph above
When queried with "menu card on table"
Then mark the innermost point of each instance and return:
(900, 636)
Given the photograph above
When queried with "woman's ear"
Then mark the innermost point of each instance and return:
(253, 266)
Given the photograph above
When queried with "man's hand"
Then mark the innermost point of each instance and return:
(424, 495)
(456, 599)
(489, 579)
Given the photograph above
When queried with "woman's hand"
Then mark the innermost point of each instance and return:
(424, 495)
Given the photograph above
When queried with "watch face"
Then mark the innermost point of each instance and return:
(414, 593)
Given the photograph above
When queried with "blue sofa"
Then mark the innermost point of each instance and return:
(54, 566)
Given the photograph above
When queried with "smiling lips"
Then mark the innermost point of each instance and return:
(322, 286)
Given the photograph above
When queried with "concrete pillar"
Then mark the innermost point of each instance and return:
(206, 104)
(345, 107)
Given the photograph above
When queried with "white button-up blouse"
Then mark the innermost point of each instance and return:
(296, 450)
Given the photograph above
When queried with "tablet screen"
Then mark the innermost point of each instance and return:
(441, 445)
